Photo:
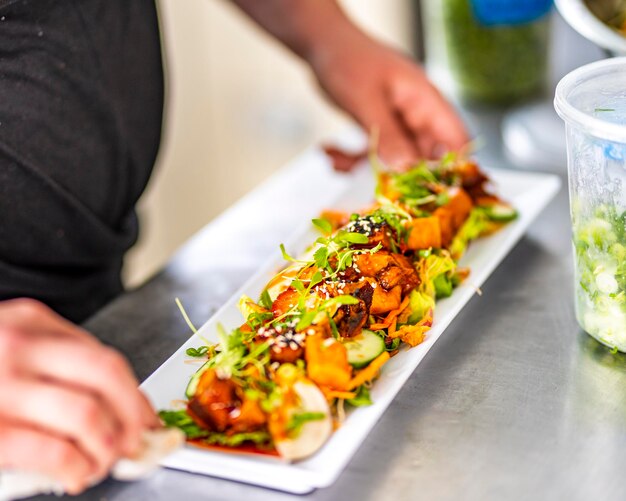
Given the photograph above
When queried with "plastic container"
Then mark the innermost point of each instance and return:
(592, 102)
(495, 51)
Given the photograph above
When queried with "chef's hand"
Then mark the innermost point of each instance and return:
(389, 94)
(69, 406)
(382, 89)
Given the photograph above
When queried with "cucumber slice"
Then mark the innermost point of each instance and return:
(364, 348)
(190, 391)
(500, 212)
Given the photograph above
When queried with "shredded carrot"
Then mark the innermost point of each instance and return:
(391, 316)
(377, 327)
(394, 313)
(341, 394)
(414, 334)
(370, 372)
(392, 327)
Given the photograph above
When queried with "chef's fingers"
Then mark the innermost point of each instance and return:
(28, 449)
(37, 318)
(99, 370)
(151, 419)
(433, 121)
(78, 417)
(394, 145)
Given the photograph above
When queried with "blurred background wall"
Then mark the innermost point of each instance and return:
(239, 107)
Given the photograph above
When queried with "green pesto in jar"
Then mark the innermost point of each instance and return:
(499, 63)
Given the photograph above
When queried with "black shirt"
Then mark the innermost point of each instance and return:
(81, 98)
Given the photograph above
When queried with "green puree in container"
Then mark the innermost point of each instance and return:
(497, 63)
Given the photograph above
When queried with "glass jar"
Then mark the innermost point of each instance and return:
(495, 51)
(592, 102)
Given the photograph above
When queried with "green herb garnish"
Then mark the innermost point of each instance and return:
(323, 225)
(197, 352)
(259, 438)
(265, 300)
(182, 421)
(362, 398)
(298, 420)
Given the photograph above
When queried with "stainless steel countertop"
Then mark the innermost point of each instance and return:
(513, 402)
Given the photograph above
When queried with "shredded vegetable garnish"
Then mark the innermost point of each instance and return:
(323, 328)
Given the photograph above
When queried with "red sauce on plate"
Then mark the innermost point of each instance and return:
(242, 449)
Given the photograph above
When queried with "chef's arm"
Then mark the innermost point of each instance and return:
(381, 88)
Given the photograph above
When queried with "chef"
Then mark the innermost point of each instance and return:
(81, 98)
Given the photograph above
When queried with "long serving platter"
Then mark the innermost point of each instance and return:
(528, 192)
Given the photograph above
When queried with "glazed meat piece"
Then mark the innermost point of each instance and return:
(350, 319)
(219, 405)
(470, 174)
(382, 236)
(389, 270)
(376, 232)
(213, 402)
(390, 277)
(284, 302)
(286, 345)
(409, 279)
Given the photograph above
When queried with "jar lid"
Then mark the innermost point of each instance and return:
(509, 12)
(593, 97)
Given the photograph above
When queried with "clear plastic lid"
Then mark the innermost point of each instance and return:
(593, 98)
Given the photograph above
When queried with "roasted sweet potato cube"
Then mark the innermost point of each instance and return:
(384, 301)
(425, 233)
(446, 225)
(327, 362)
(371, 264)
(460, 205)
(452, 215)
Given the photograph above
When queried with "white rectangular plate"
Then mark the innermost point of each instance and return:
(528, 192)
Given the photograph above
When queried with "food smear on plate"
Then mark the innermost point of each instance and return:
(311, 346)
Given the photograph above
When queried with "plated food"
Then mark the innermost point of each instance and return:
(313, 343)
